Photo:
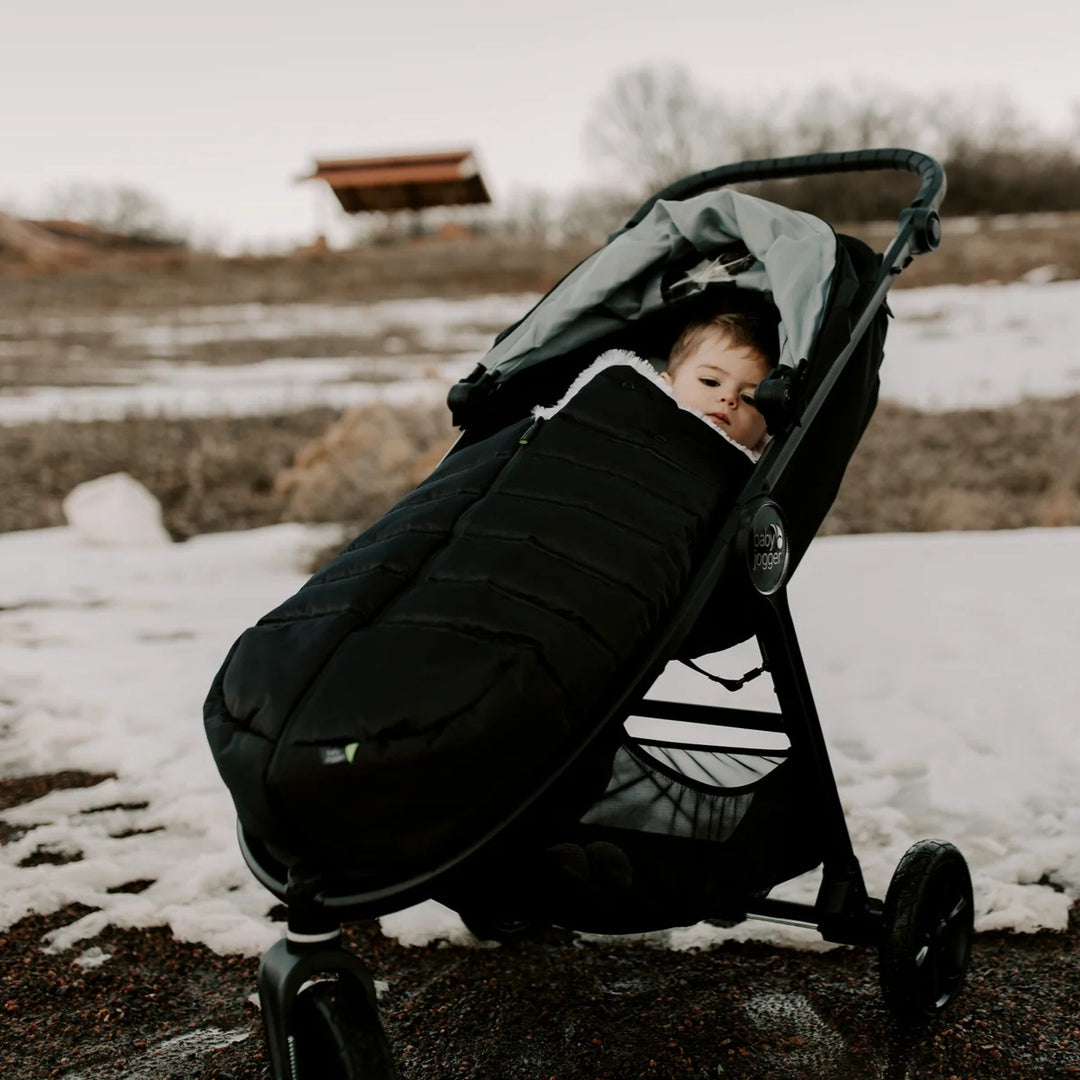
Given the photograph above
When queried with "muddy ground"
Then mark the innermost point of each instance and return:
(140, 1005)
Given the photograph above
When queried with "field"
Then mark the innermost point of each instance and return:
(127, 322)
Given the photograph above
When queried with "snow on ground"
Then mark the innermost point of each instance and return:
(448, 324)
(944, 667)
(968, 346)
(437, 339)
(266, 387)
(950, 346)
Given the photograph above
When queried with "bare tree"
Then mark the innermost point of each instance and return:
(655, 124)
(528, 214)
(858, 117)
(115, 208)
(592, 214)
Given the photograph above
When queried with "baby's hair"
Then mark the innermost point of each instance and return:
(756, 332)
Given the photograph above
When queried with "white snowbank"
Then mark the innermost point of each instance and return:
(433, 342)
(950, 346)
(115, 509)
(943, 666)
(981, 346)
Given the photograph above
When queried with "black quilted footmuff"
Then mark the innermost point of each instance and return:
(452, 658)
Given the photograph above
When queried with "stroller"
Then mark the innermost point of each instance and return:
(640, 541)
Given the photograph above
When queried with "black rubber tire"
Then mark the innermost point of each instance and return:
(928, 925)
(337, 1034)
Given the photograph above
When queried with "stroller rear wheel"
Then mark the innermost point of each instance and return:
(337, 1035)
(928, 925)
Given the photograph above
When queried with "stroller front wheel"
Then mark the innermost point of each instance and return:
(928, 925)
(337, 1035)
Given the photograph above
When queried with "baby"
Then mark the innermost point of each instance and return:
(714, 368)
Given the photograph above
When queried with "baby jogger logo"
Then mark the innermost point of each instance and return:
(767, 548)
(339, 755)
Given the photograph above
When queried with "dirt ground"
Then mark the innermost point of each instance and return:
(551, 1007)
(547, 1008)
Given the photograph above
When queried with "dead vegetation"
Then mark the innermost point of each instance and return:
(363, 463)
(158, 281)
(913, 472)
(210, 474)
(970, 469)
(1007, 468)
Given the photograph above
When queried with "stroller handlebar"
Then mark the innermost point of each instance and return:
(930, 194)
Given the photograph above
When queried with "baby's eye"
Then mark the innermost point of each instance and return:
(748, 400)
(710, 382)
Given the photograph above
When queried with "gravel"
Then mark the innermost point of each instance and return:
(140, 1005)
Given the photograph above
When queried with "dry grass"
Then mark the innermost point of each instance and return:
(977, 469)
(913, 472)
(209, 474)
(363, 463)
(966, 469)
(978, 250)
(162, 282)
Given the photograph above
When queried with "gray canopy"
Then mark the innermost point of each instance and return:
(791, 257)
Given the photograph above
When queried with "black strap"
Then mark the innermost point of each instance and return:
(727, 684)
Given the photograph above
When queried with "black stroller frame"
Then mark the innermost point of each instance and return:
(923, 926)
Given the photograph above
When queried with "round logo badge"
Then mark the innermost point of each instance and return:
(767, 550)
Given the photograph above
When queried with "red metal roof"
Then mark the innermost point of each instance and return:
(404, 181)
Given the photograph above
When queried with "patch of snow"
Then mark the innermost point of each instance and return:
(982, 346)
(92, 958)
(269, 387)
(425, 923)
(115, 509)
(943, 666)
(948, 703)
(951, 346)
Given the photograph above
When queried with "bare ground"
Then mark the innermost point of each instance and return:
(551, 1006)
(913, 471)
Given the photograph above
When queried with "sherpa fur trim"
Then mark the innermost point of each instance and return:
(614, 357)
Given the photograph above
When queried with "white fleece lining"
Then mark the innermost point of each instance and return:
(615, 357)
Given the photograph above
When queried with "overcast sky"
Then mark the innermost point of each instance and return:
(218, 107)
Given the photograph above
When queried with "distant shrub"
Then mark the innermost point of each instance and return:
(363, 463)
(648, 129)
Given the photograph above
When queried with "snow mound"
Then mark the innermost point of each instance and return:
(115, 510)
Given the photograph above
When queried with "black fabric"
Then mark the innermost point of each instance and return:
(612, 880)
(810, 484)
(417, 690)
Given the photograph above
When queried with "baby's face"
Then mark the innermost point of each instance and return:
(713, 379)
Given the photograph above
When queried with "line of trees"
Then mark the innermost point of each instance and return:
(656, 124)
(121, 211)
